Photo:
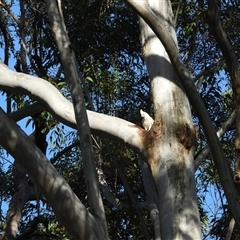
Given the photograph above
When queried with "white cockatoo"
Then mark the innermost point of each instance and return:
(147, 121)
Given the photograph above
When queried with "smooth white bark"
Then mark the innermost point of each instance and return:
(62, 109)
(172, 137)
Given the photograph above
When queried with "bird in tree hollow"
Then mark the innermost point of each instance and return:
(147, 121)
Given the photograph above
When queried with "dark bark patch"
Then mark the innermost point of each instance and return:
(186, 135)
(149, 141)
(237, 185)
(156, 129)
(237, 178)
(175, 174)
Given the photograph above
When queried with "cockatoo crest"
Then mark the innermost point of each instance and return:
(147, 121)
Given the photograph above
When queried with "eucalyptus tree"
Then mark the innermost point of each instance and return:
(164, 150)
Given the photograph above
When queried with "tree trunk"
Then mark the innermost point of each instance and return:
(170, 144)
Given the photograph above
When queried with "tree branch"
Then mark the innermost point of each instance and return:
(7, 8)
(18, 200)
(62, 110)
(72, 76)
(67, 207)
(23, 49)
(27, 111)
(230, 121)
(151, 196)
(33, 227)
(230, 229)
(233, 69)
(130, 193)
(209, 69)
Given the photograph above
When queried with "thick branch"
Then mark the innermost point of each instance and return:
(100, 124)
(67, 207)
(27, 111)
(72, 76)
(160, 30)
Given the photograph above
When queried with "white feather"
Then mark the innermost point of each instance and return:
(147, 121)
